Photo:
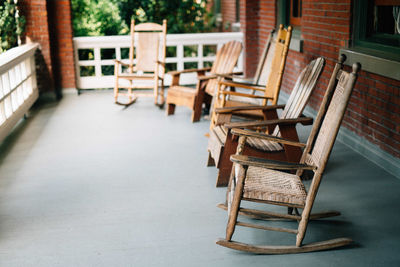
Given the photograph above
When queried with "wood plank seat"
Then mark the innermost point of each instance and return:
(267, 181)
(283, 125)
(194, 98)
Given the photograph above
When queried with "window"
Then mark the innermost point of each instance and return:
(377, 27)
(290, 12)
(376, 37)
(295, 12)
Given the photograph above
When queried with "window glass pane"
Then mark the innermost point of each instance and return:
(383, 23)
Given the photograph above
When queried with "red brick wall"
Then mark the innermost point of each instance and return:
(228, 11)
(374, 109)
(49, 24)
(61, 39)
(37, 30)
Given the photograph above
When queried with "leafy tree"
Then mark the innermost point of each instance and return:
(183, 16)
(97, 17)
(112, 17)
(11, 25)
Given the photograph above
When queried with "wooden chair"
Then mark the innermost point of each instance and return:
(222, 143)
(146, 66)
(267, 181)
(263, 67)
(194, 98)
(226, 97)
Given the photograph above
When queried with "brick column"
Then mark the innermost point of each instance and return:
(249, 17)
(37, 30)
(50, 24)
(60, 22)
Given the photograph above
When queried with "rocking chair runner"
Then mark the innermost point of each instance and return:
(146, 65)
(177, 95)
(222, 143)
(268, 93)
(261, 180)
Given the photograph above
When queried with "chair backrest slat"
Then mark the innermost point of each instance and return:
(327, 124)
(278, 64)
(261, 67)
(302, 90)
(150, 46)
(226, 59)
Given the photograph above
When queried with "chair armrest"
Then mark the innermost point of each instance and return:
(302, 120)
(120, 62)
(247, 133)
(176, 72)
(269, 164)
(229, 75)
(207, 77)
(244, 95)
(253, 107)
(250, 86)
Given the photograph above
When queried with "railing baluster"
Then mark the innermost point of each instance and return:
(18, 88)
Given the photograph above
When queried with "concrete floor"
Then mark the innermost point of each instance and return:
(84, 182)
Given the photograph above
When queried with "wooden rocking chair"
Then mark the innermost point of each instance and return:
(224, 63)
(222, 143)
(267, 181)
(226, 97)
(146, 66)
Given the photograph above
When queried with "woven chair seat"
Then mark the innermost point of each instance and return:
(257, 143)
(271, 185)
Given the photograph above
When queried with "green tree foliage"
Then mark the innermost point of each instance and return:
(183, 16)
(11, 25)
(112, 17)
(97, 17)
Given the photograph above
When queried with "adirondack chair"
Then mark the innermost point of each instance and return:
(267, 181)
(225, 97)
(177, 95)
(222, 143)
(263, 67)
(146, 66)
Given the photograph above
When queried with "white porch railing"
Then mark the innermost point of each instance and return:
(94, 56)
(18, 86)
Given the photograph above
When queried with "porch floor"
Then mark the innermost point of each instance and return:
(84, 182)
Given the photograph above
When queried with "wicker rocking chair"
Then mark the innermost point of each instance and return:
(222, 143)
(267, 181)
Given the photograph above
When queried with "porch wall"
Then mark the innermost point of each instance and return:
(374, 109)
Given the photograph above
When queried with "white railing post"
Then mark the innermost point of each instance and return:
(94, 44)
(18, 87)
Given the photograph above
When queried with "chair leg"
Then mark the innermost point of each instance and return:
(156, 91)
(197, 106)
(116, 92)
(237, 190)
(170, 109)
(210, 161)
(162, 93)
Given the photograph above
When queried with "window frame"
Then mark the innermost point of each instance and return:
(359, 42)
